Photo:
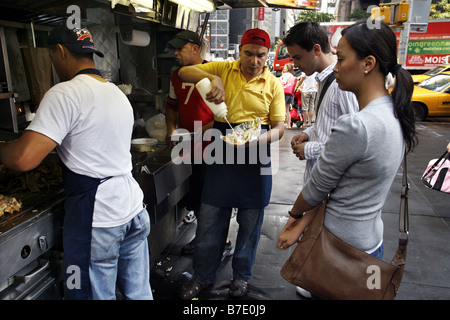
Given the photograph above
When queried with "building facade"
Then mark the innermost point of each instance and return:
(226, 27)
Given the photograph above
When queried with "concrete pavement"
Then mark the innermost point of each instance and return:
(426, 272)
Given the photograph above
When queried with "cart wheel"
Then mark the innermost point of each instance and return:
(190, 217)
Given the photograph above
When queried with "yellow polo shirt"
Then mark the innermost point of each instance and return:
(262, 97)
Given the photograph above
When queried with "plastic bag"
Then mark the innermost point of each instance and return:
(156, 127)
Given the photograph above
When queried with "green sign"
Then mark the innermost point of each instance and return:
(429, 47)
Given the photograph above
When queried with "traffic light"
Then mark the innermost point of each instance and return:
(401, 11)
(384, 11)
(393, 13)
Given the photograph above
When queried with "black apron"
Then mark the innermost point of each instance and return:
(237, 185)
(80, 194)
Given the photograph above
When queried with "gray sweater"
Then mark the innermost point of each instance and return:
(357, 167)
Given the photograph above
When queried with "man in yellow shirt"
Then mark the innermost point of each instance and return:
(250, 91)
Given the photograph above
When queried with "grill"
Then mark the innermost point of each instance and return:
(26, 236)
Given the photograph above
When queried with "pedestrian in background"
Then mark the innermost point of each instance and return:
(309, 92)
(289, 81)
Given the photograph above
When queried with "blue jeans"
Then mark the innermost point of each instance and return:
(379, 252)
(120, 255)
(211, 235)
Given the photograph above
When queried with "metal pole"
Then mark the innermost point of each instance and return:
(204, 26)
(32, 33)
(12, 103)
(403, 43)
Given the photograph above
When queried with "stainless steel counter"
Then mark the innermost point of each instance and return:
(164, 185)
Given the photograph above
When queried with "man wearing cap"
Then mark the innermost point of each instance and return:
(250, 91)
(185, 106)
(89, 121)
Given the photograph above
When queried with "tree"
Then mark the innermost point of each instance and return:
(314, 16)
(274, 46)
(440, 10)
(358, 14)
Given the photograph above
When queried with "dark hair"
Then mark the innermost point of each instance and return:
(306, 35)
(381, 43)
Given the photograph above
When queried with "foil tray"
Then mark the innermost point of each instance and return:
(245, 132)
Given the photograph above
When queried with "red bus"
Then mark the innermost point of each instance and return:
(281, 58)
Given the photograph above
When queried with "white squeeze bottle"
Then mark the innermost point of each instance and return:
(219, 110)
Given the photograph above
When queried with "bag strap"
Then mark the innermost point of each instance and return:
(445, 156)
(399, 259)
(328, 80)
(404, 214)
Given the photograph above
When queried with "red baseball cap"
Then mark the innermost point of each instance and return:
(256, 36)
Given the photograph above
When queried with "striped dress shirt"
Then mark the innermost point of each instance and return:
(335, 103)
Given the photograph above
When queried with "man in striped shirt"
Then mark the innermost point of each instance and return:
(307, 43)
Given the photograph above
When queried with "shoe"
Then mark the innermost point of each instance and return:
(228, 251)
(189, 248)
(238, 288)
(303, 292)
(191, 289)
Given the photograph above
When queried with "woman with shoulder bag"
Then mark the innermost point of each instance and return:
(363, 153)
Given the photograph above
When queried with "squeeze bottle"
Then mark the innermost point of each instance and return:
(219, 110)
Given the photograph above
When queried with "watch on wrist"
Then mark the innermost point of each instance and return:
(295, 216)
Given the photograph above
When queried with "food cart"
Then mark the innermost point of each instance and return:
(30, 239)
(133, 36)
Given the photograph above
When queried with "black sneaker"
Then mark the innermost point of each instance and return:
(238, 288)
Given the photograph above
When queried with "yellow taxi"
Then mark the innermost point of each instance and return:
(444, 68)
(431, 97)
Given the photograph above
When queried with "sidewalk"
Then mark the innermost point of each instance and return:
(426, 271)
(427, 268)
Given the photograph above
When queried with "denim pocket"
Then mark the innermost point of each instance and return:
(144, 224)
(105, 244)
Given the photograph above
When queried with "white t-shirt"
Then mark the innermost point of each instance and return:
(309, 83)
(92, 122)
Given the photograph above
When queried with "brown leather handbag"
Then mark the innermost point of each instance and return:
(332, 269)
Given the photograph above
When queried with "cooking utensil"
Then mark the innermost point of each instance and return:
(143, 144)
